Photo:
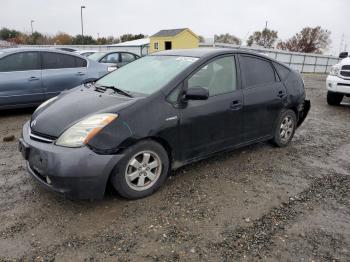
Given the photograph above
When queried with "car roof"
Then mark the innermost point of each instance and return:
(204, 52)
(27, 49)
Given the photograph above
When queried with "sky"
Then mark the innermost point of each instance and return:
(204, 17)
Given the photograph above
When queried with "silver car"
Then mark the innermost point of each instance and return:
(30, 76)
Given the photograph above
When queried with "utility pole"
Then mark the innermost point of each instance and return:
(31, 25)
(82, 24)
(341, 43)
(265, 34)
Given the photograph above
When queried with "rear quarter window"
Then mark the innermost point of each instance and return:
(282, 71)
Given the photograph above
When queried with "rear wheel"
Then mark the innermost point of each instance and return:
(334, 99)
(142, 170)
(285, 128)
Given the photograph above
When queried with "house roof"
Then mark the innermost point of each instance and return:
(138, 42)
(170, 32)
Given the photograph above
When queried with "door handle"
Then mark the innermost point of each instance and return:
(236, 105)
(282, 94)
(33, 78)
(80, 73)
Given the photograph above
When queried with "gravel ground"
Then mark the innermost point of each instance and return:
(256, 203)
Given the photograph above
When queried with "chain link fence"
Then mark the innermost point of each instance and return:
(303, 62)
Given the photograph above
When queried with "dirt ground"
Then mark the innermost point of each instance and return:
(256, 203)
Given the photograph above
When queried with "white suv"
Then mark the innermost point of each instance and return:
(338, 82)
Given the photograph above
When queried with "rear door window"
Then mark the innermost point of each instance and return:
(20, 62)
(218, 76)
(57, 61)
(256, 71)
(127, 58)
(111, 58)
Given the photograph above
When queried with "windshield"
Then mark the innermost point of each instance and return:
(97, 56)
(147, 75)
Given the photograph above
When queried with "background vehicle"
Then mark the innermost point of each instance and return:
(338, 82)
(116, 58)
(343, 55)
(85, 53)
(31, 76)
(67, 49)
(158, 113)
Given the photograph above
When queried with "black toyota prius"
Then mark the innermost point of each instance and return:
(134, 125)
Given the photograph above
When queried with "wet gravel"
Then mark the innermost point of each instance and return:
(255, 203)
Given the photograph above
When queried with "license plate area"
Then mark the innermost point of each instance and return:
(24, 149)
(37, 162)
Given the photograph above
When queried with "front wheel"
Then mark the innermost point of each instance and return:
(285, 128)
(142, 170)
(334, 99)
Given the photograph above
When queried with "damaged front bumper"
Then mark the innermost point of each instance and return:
(77, 173)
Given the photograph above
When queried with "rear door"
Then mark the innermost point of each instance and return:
(212, 125)
(264, 96)
(20, 79)
(62, 72)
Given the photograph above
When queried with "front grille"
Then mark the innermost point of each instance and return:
(345, 67)
(41, 137)
(345, 73)
(342, 84)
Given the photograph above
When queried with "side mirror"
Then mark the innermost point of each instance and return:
(343, 55)
(197, 93)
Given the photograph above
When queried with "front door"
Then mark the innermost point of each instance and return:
(20, 79)
(207, 126)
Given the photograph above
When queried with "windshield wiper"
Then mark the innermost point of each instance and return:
(120, 91)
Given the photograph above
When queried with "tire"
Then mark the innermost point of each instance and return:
(334, 99)
(285, 128)
(142, 171)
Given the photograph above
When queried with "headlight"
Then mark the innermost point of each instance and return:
(82, 132)
(334, 70)
(46, 102)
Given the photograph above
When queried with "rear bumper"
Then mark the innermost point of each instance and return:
(338, 85)
(77, 173)
(303, 111)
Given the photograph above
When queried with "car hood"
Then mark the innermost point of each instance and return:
(71, 107)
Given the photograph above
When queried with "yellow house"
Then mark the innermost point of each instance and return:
(182, 38)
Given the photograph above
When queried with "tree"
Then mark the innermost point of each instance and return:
(83, 40)
(130, 37)
(62, 39)
(265, 38)
(7, 34)
(113, 40)
(308, 40)
(227, 39)
(33, 38)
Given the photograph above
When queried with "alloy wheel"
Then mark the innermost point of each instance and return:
(143, 170)
(286, 129)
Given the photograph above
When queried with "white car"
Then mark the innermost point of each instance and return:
(86, 53)
(338, 82)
